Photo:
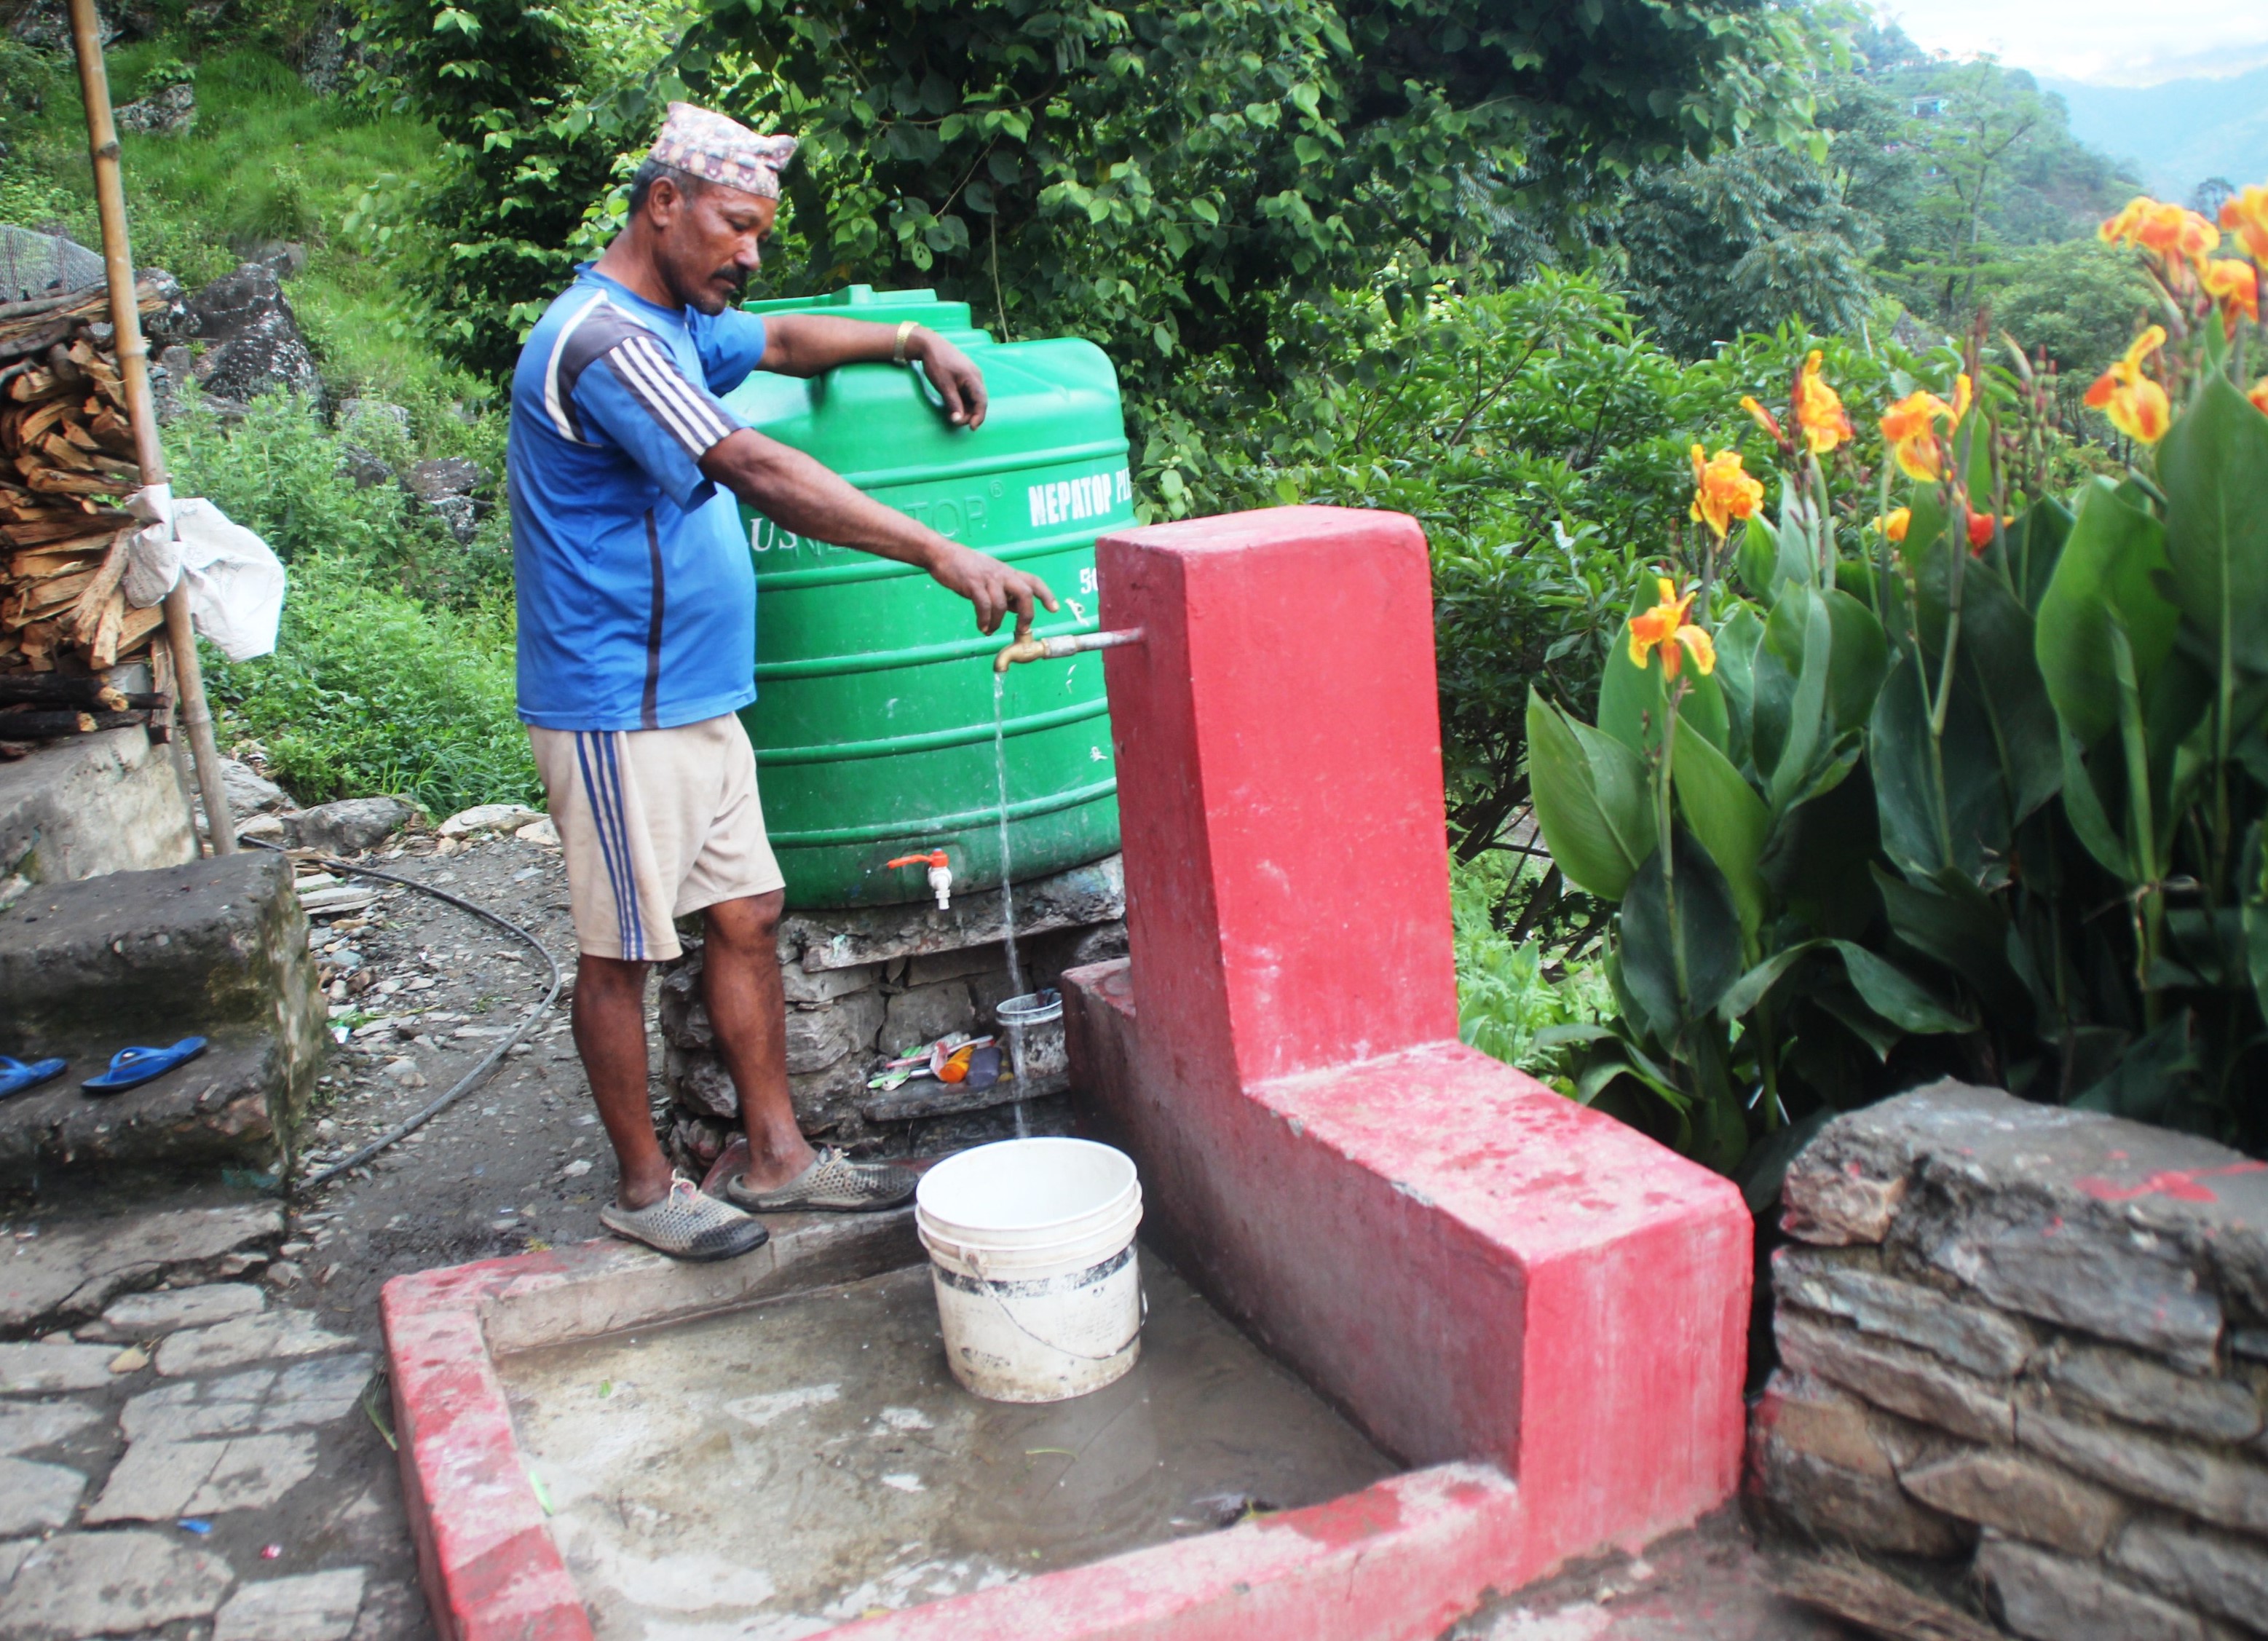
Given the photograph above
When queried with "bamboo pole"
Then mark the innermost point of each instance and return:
(134, 368)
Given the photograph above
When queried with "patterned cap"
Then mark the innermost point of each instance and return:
(718, 150)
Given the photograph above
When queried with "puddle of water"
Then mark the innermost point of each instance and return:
(769, 1473)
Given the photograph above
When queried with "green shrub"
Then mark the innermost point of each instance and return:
(370, 690)
(1507, 993)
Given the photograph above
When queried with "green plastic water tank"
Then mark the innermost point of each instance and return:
(873, 722)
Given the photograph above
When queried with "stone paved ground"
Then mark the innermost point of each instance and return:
(190, 1417)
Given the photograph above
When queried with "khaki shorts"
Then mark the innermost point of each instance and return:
(655, 823)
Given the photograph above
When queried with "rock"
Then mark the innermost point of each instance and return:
(329, 54)
(283, 258)
(541, 833)
(1809, 1416)
(248, 792)
(45, 26)
(1891, 1376)
(404, 1072)
(1839, 1210)
(247, 1339)
(74, 1271)
(366, 467)
(35, 1498)
(172, 112)
(819, 1037)
(350, 826)
(102, 1583)
(1969, 1335)
(2022, 1496)
(488, 818)
(2052, 1598)
(25, 1426)
(1084, 895)
(375, 418)
(2142, 1391)
(829, 983)
(1839, 1583)
(1099, 945)
(925, 1013)
(2222, 1488)
(1830, 1503)
(256, 345)
(825, 1100)
(314, 1607)
(2118, 1230)
(34, 1368)
(2215, 1570)
(146, 1315)
(460, 515)
(444, 477)
(157, 1481)
(701, 1085)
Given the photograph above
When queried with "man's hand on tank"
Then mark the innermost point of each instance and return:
(993, 587)
(956, 377)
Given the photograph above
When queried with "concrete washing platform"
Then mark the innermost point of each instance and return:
(1538, 1306)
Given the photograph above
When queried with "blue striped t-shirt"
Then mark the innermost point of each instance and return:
(637, 594)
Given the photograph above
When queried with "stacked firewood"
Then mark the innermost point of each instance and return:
(66, 461)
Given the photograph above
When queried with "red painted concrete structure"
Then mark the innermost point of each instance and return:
(1537, 1303)
(1472, 1266)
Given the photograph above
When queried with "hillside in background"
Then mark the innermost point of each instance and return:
(2177, 134)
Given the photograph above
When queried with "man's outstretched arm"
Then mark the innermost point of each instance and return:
(805, 344)
(798, 493)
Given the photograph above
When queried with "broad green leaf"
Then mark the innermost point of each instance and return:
(2109, 572)
(1728, 817)
(1681, 936)
(1759, 560)
(1997, 649)
(1862, 655)
(1897, 996)
(2035, 544)
(2255, 878)
(1944, 916)
(1591, 798)
(1810, 732)
(2213, 467)
(2082, 806)
(1736, 649)
(1750, 989)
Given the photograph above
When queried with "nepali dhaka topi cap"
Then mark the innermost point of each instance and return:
(708, 145)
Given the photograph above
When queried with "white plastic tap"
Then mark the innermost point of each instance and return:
(940, 874)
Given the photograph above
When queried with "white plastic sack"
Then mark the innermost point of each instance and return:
(236, 584)
(153, 561)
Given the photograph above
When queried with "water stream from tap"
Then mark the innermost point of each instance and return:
(1008, 892)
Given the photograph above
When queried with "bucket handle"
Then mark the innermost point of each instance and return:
(991, 1292)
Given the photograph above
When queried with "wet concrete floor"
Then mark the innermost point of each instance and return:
(769, 1473)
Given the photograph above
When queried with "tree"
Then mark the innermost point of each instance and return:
(1164, 181)
(1742, 241)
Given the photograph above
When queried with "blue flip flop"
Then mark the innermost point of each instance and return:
(16, 1077)
(131, 1068)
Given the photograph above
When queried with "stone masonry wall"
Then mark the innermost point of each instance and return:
(2023, 1357)
(864, 985)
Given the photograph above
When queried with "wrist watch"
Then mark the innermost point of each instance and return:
(905, 330)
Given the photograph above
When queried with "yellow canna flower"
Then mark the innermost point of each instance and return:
(1819, 410)
(1911, 426)
(1722, 491)
(2137, 406)
(1665, 628)
(2245, 215)
(1894, 523)
(2169, 232)
(2234, 285)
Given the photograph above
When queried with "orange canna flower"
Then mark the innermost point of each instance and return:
(1723, 492)
(2245, 215)
(1980, 530)
(2259, 395)
(1819, 410)
(1911, 425)
(2169, 232)
(1762, 417)
(1894, 523)
(1665, 628)
(2236, 286)
(2137, 406)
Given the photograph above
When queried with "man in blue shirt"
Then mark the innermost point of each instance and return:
(638, 636)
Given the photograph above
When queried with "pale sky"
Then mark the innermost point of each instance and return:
(2111, 44)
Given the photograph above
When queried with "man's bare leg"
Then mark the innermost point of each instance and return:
(741, 982)
(609, 1016)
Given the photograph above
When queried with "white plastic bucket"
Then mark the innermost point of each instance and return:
(1031, 1247)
